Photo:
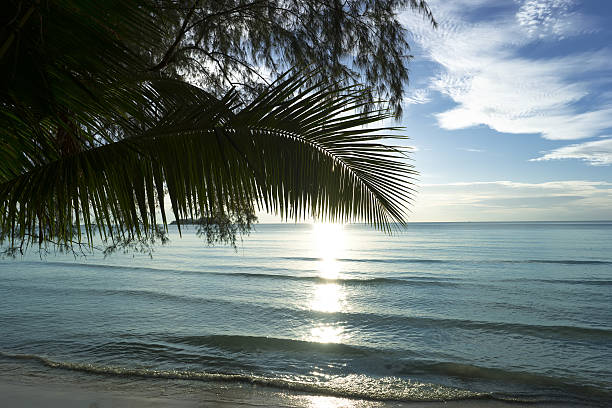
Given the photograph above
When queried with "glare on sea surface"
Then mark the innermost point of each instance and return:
(326, 334)
(321, 401)
(329, 246)
(329, 298)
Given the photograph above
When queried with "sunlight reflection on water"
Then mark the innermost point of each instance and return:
(329, 298)
(329, 246)
(327, 334)
(319, 401)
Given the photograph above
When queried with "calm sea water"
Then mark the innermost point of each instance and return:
(511, 311)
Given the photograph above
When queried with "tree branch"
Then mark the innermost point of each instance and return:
(168, 55)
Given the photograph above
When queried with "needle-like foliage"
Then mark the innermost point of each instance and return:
(95, 144)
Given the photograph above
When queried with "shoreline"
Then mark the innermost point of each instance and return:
(56, 395)
(31, 386)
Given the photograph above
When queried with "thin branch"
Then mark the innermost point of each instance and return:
(225, 12)
(167, 56)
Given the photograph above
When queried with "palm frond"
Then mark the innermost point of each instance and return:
(296, 151)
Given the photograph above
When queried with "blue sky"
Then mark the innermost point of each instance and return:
(510, 110)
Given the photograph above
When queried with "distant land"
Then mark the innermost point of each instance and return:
(189, 221)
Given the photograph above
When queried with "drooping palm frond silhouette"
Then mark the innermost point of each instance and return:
(93, 143)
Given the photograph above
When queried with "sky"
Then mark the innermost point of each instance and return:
(509, 110)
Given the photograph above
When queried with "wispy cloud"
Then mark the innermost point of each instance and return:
(471, 150)
(597, 153)
(512, 201)
(484, 70)
(549, 18)
(418, 96)
(565, 200)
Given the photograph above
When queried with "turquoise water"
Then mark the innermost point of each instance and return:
(510, 311)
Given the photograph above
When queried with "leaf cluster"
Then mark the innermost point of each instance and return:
(98, 142)
(244, 43)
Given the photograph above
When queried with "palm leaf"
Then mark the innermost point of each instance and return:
(296, 151)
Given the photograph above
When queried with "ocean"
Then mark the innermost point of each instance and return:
(438, 312)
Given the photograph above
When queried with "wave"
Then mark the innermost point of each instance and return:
(564, 262)
(405, 280)
(351, 386)
(534, 330)
(150, 294)
(237, 343)
(458, 261)
(274, 344)
(397, 321)
(412, 280)
(370, 260)
(154, 351)
(590, 282)
(383, 321)
(365, 387)
(446, 281)
(473, 372)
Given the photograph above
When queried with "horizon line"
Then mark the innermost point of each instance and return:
(453, 222)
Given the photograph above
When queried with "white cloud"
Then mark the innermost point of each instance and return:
(512, 201)
(483, 71)
(418, 96)
(565, 200)
(470, 149)
(596, 153)
(547, 18)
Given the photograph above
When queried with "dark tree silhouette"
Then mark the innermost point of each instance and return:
(112, 111)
